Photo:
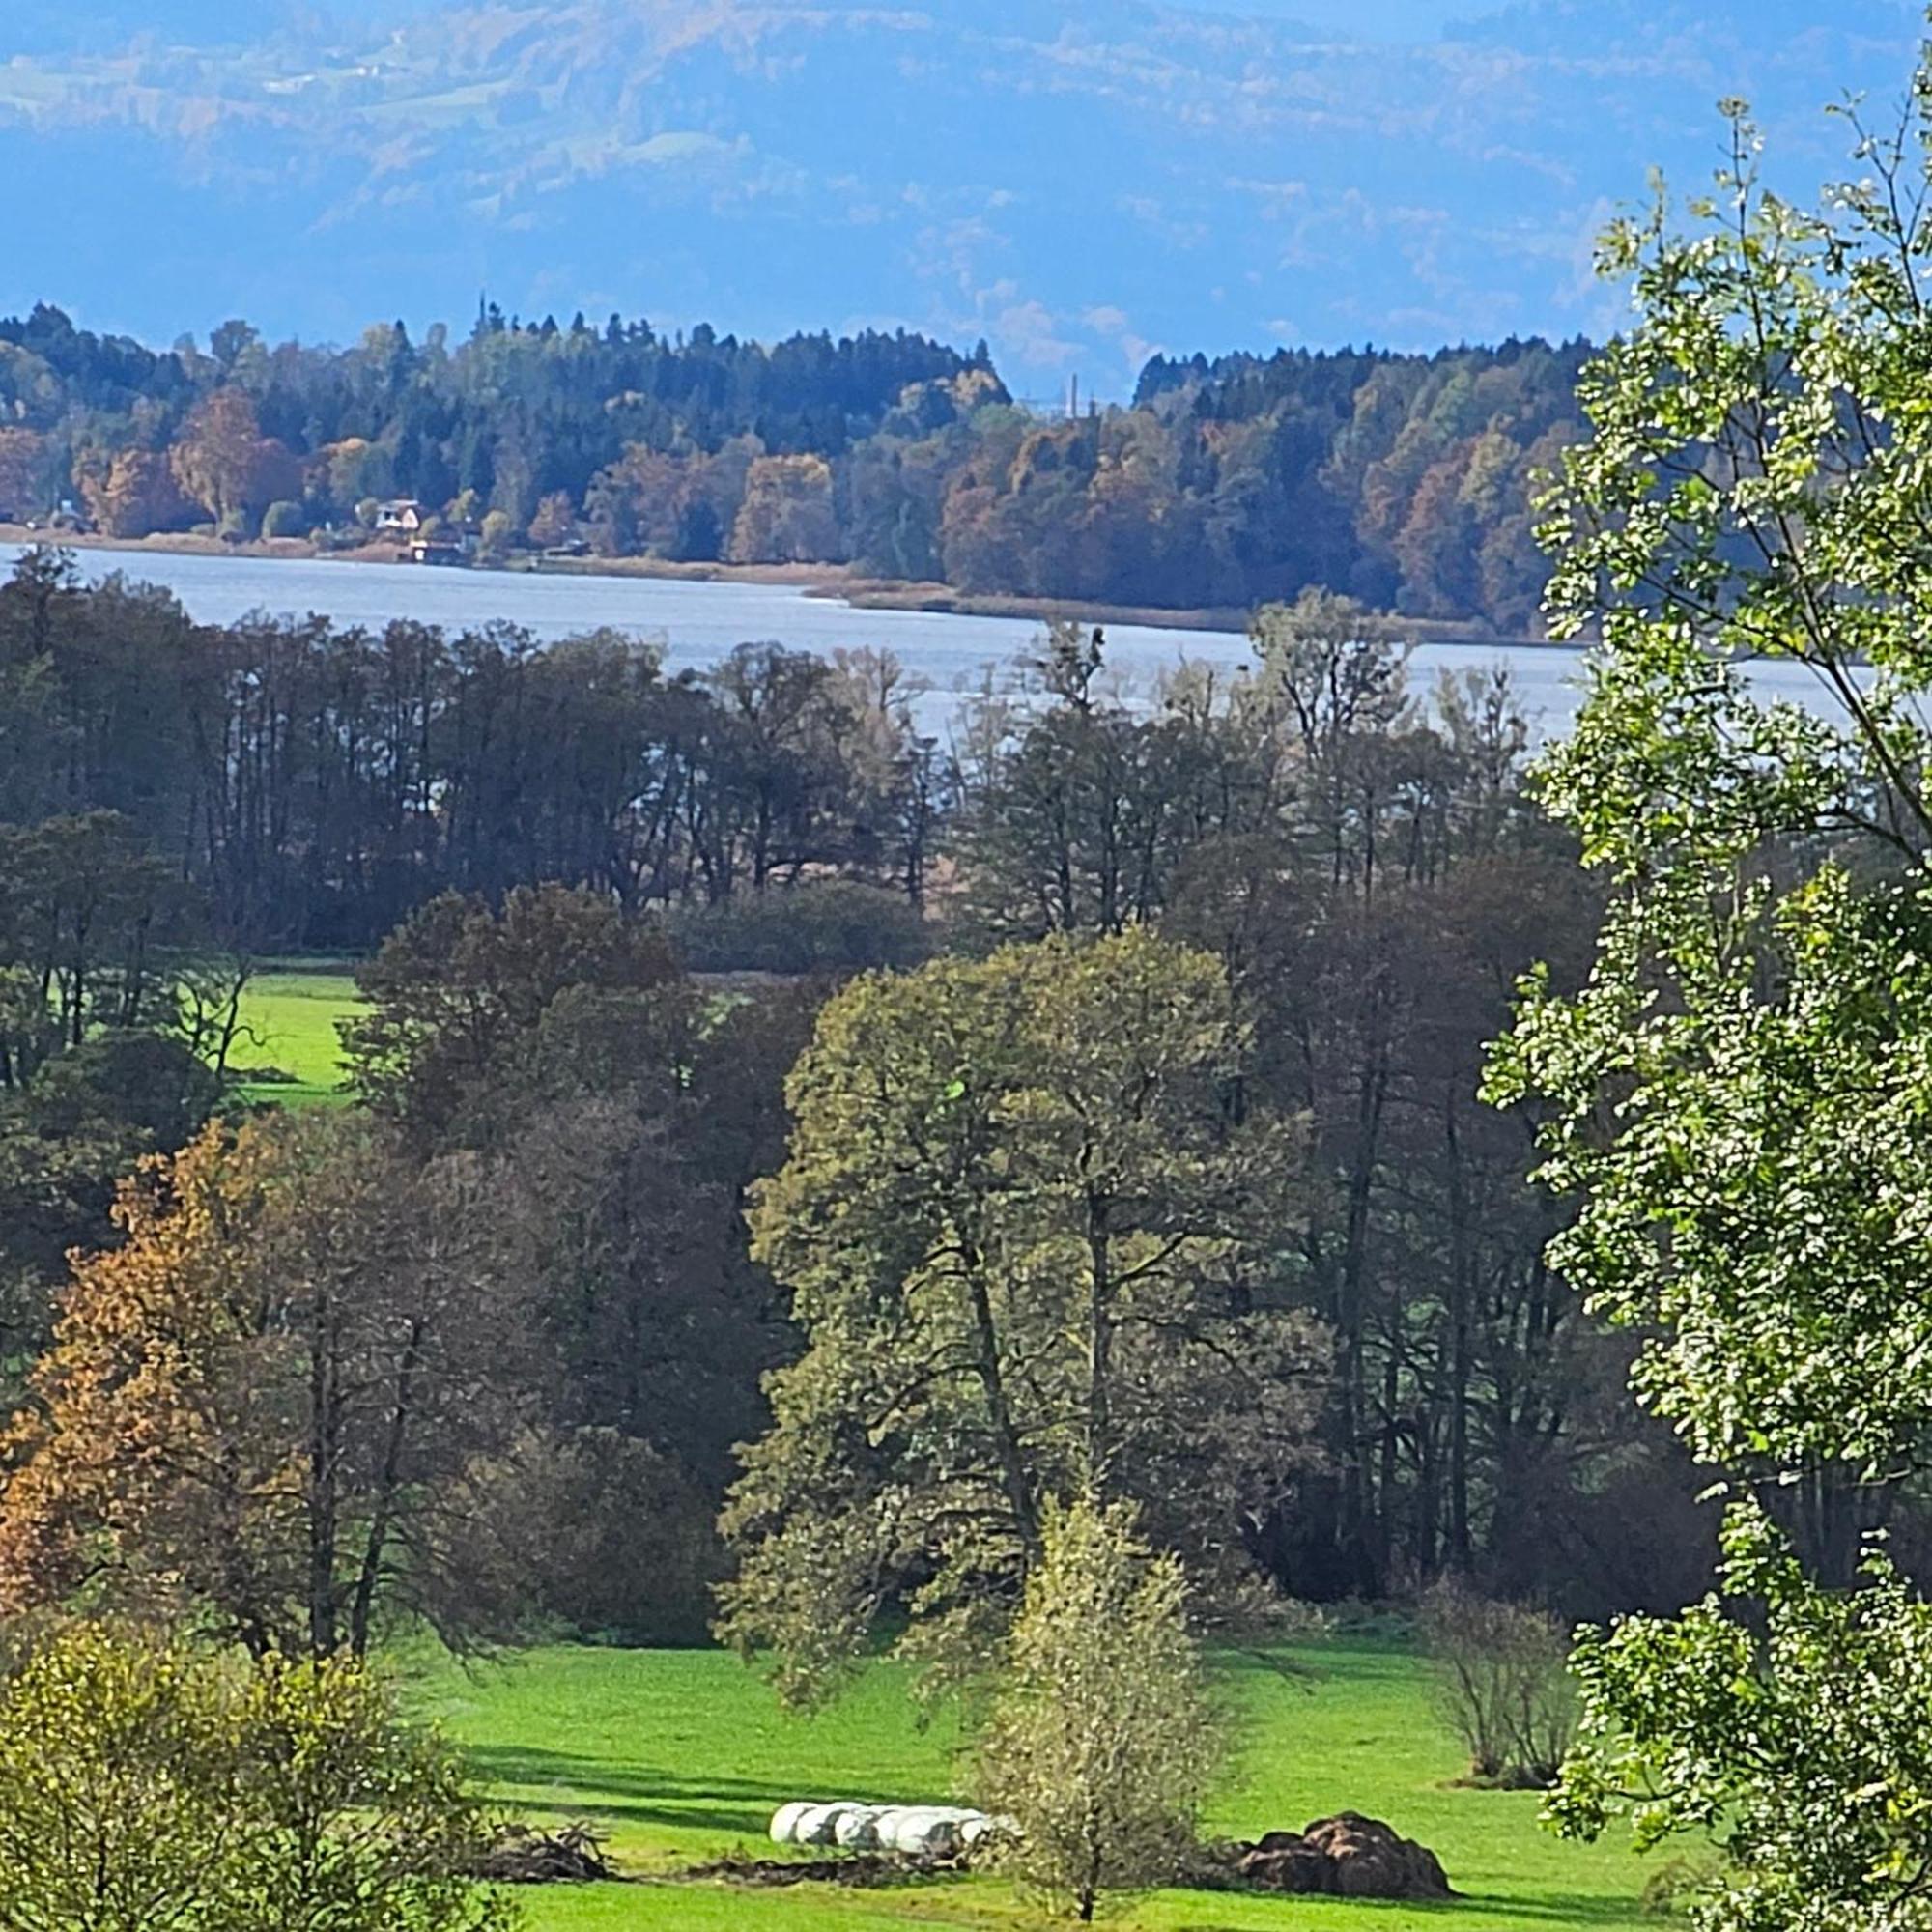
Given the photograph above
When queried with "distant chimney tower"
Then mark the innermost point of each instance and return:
(1073, 398)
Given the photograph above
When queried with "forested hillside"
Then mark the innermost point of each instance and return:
(1404, 480)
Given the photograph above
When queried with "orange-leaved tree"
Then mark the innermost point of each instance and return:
(279, 1405)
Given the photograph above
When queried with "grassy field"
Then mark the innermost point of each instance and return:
(680, 1755)
(291, 1014)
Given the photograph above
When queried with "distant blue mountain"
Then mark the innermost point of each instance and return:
(1079, 181)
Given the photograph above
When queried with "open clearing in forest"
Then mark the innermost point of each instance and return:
(682, 1755)
(291, 1012)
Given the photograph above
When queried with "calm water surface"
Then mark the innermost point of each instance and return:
(697, 623)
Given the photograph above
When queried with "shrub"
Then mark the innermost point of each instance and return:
(145, 1785)
(827, 926)
(628, 1545)
(1504, 1678)
(283, 519)
(1101, 1743)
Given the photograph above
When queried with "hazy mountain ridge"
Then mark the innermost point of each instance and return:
(1080, 182)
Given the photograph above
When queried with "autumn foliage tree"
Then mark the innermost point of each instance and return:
(555, 519)
(133, 492)
(788, 514)
(224, 462)
(275, 1404)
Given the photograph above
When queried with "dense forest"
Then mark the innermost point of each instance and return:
(1405, 481)
(535, 849)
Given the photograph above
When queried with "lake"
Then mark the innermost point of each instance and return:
(698, 622)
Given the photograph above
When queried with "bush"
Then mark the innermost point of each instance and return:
(629, 1544)
(144, 1785)
(827, 926)
(283, 519)
(497, 533)
(1504, 1676)
(1101, 1743)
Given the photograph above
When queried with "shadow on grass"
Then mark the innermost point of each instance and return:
(600, 1789)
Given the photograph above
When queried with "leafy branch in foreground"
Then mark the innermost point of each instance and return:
(1740, 1099)
(1792, 1724)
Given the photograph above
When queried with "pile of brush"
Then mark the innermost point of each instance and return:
(522, 1855)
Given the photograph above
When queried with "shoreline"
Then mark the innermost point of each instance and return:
(827, 581)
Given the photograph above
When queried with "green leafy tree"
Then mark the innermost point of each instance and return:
(149, 1787)
(1035, 1246)
(1738, 1100)
(1787, 1721)
(115, 1776)
(457, 990)
(1102, 1742)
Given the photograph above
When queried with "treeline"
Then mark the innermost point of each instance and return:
(1341, 1361)
(1405, 481)
(310, 786)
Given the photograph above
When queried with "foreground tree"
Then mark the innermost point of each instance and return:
(1102, 1742)
(1739, 1098)
(1038, 1246)
(1786, 1721)
(148, 1787)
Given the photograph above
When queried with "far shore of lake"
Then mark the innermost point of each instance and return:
(836, 581)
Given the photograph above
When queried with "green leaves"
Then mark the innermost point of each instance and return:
(1034, 1250)
(1738, 1098)
(1102, 1742)
(1790, 1723)
(149, 1787)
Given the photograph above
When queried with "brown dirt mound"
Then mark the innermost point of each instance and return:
(1346, 1856)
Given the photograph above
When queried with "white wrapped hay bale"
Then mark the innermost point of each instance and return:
(858, 1829)
(920, 1832)
(912, 1831)
(786, 1819)
(820, 1824)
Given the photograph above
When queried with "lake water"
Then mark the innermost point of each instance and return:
(697, 623)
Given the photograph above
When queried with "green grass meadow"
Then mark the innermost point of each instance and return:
(682, 1755)
(291, 1012)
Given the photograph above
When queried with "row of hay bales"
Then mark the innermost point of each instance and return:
(916, 1830)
